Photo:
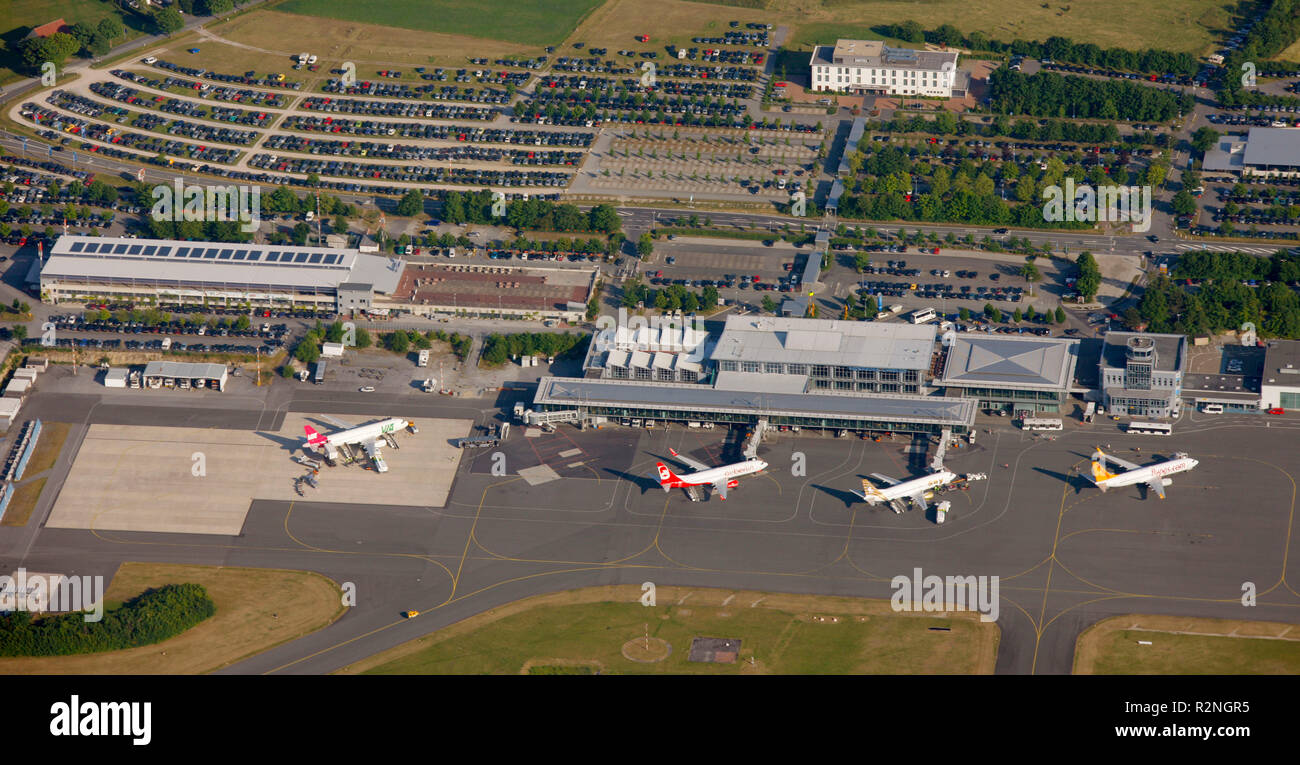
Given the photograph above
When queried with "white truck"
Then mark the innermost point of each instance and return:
(429, 385)
(423, 359)
(896, 308)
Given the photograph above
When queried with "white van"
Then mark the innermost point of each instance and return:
(1212, 408)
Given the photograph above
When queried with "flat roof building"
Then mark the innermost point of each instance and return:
(825, 354)
(1280, 382)
(157, 374)
(491, 291)
(870, 66)
(1263, 151)
(180, 272)
(1141, 373)
(1010, 373)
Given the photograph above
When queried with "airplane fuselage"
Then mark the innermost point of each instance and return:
(362, 434)
(1154, 472)
(709, 477)
(908, 488)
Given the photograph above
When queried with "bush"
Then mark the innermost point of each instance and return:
(151, 617)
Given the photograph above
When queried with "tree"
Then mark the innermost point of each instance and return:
(1060, 315)
(964, 313)
(1030, 313)
(1017, 316)
(56, 48)
(604, 218)
(412, 204)
(769, 304)
(168, 20)
(1184, 203)
(19, 332)
(1203, 139)
(363, 338)
(397, 341)
(645, 246)
(1029, 272)
(111, 28)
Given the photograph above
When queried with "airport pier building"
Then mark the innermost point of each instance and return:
(685, 402)
(1006, 373)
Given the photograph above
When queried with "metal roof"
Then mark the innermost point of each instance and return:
(1171, 355)
(1011, 362)
(199, 371)
(564, 391)
(182, 263)
(854, 344)
(1273, 146)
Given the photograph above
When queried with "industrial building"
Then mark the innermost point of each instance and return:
(1280, 381)
(492, 291)
(1010, 374)
(176, 374)
(1141, 374)
(166, 272)
(870, 66)
(1264, 151)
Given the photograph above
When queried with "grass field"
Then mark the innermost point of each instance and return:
(529, 22)
(53, 434)
(783, 634)
(17, 17)
(256, 609)
(1220, 647)
(1176, 25)
(23, 503)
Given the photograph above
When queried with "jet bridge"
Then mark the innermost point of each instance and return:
(750, 449)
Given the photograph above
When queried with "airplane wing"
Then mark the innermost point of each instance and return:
(696, 464)
(1122, 463)
(720, 488)
(919, 499)
(337, 422)
(369, 446)
(888, 481)
(1158, 486)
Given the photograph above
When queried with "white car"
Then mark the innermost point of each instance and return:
(367, 389)
(150, 60)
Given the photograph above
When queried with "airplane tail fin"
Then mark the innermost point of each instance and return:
(314, 438)
(666, 476)
(1099, 471)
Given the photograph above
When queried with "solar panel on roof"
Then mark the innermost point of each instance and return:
(151, 249)
(164, 251)
(271, 257)
(77, 247)
(134, 249)
(330, 259)
(121, 248)
(211, 252)
(182, 252)
(225, 254)
(241, 254)
(315, 257)
(302, 258)
(92, 247)
(255, 255)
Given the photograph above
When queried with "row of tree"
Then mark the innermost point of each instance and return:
(673, 297)
(151, 617)
(946, 123)
(1218, 306)
(1047, 94)
(498, 349)
(535, 214)
(1054, 48)
(1089, 276)
(1282, 266)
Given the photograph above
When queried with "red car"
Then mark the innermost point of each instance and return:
(1277, 410)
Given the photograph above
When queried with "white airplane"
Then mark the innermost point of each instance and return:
(369, 437)
(719, 478)
(914, 489)
(1152, 475)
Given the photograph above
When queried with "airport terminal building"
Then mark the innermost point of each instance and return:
(871, 66)
(786, 372)
(162, 272)
(1010, 373)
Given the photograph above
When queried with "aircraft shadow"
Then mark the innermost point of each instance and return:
(643, 482)
(287, 443)
(1073, 480)
(847, 497)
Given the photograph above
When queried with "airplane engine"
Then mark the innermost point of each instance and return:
(1167, 481)
(733, 483)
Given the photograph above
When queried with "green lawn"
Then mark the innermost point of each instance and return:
(526, 22)
(18, 17)
(1118, 653)
(785, 639)
(1176, 25)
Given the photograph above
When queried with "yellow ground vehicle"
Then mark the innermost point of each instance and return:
(410, 614)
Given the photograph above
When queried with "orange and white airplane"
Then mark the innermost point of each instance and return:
(1153, 475)
(718, 478)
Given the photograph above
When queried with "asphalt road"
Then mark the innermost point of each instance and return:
(1067, 555)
